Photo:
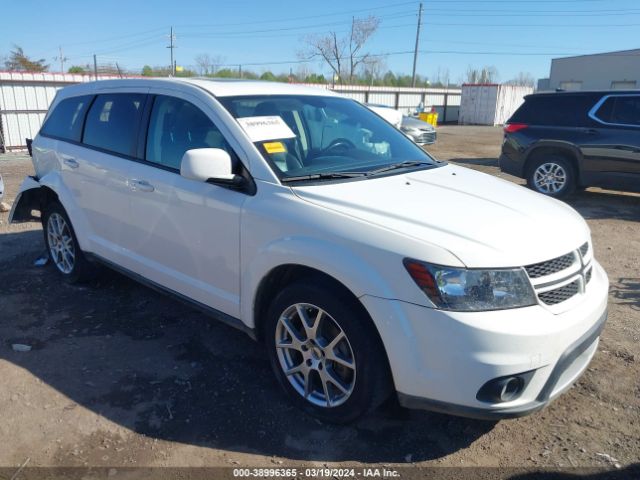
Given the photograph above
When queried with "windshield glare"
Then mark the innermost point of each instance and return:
(308, 135)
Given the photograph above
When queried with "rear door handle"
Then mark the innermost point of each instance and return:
(590, 131)
(141, 186)
(71, 162)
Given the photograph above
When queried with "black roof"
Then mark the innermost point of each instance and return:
(587, 92)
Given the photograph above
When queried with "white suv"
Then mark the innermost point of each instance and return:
(364, 265)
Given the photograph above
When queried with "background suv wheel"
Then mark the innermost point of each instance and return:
(552, 175)
(325, 352)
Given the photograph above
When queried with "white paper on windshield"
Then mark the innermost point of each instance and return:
(265, 128)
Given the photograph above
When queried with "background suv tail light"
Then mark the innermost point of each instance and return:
(514, 127)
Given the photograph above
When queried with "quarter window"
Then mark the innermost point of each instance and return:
(112, 122)
(67, 118)
(623, 85)
(177, 126)
(620, 110)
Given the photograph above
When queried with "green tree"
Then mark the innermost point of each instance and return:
(227, 73)
(19, 62)
(250, 75)
(186, 73)
(268, 76)
(147, 71)
(389, 79)
(315, 78)
(76, 69)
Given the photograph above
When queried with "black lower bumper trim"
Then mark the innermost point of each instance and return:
(420, 403)
(573, 352)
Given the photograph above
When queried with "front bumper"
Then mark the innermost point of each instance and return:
(577, 356)
(440, 360)
(423, 137)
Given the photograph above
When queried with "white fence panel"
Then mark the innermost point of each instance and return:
(359, 96)
(381, 98)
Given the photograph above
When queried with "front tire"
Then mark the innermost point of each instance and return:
(552, 175)
(62, 245)
(325, 352)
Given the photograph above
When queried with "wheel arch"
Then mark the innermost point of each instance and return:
(32, 196)
(286, 274)
(50, 188)
(566, 150)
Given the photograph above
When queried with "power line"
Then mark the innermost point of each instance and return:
(479, 2)
(306, 17)
(433, 52)
(546, 25)
(547, 15)
(281, 29)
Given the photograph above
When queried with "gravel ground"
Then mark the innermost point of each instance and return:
(120, 376)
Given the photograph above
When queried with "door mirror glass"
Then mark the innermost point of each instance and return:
(205, 164)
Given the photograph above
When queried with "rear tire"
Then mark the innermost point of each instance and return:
(62, 245)
(333, 366)
(552, 175)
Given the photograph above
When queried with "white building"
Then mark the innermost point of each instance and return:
(490, 104)
(601, 71)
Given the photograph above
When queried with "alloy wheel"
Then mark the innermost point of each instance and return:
(315, 355)
(550, 178)
(61, 247)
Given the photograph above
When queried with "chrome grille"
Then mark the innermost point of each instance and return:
(550, 267)
(559, 295)
(427, 137)
(584, 249)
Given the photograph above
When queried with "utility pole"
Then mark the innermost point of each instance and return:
(61, 58)
(95, 66)
(240, 71)
(171, 46)
(415, 51)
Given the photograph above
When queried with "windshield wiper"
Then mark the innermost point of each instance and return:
(323, 176)
(395, 166)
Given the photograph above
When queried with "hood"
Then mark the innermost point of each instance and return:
(481, 219)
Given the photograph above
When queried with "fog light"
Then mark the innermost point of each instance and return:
(504, 389)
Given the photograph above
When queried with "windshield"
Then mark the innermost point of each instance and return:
(323, 137)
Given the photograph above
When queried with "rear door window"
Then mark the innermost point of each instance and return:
(177, 126)
(65, 121)
(620, 110)
(112, 122)
(559, 110)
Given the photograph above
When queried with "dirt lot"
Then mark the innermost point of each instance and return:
(119, 375)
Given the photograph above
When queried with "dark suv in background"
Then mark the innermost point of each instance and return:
(566, 140)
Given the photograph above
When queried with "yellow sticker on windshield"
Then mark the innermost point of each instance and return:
(274, 147)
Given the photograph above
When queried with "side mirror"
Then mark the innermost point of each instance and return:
(205, 163)
(212, 165)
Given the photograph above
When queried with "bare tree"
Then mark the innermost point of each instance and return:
(372, 68)
(524, 79)
(486, 74)
(207, 64)
(442, 77)
(343, 54)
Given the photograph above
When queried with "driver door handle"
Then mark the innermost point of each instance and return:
(70, 162)
(141, 186)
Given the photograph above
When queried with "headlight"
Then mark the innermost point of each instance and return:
(472, 290)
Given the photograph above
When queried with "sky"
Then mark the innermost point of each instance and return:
(511, 35)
